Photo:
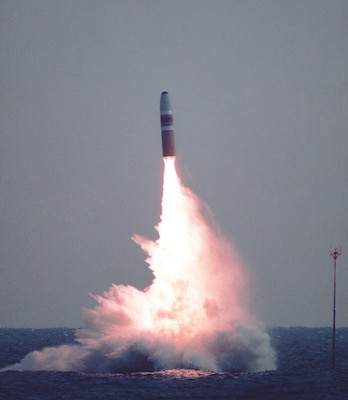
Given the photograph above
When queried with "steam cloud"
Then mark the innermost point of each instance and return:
(192, 316)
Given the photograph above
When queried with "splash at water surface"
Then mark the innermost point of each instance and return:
(192, 316)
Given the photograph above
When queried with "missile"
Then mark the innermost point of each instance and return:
(167, 128)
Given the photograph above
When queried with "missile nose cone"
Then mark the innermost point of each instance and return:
(165, 106)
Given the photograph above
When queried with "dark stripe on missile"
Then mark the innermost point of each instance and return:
(166, 119)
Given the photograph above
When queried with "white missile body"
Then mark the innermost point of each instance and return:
(167, 128)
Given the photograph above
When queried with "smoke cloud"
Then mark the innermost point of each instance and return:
(192, 316)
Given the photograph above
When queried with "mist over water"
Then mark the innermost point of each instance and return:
(194, 314)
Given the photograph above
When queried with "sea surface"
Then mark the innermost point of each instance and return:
(304, 371)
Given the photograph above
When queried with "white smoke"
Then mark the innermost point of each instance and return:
(192, 316)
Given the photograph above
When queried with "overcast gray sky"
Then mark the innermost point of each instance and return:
(259, 91)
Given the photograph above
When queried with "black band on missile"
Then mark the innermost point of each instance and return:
(166, 119)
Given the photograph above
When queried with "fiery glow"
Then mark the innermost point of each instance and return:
(193, 315)
(197, 281)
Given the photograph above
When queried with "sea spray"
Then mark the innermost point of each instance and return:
(192, 316)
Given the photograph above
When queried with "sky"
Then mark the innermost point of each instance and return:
(259, 91)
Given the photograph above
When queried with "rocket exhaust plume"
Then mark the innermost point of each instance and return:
(193, 315)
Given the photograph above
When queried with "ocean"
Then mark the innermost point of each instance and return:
(304, 371)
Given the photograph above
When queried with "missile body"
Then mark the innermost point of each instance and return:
(167, 128)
